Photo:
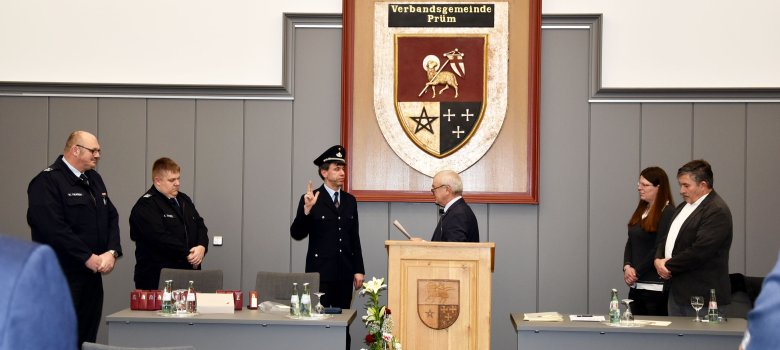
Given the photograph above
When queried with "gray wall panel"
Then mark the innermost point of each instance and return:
(373, 234)
(67, 115)
(667, 142)
(419, 219)
(266, 193)
(719, 137)
(24, 137)
(614, 162)
(317, 110)
(763, 166)
(171, 133)
(563, 184)
(513, 228)
(219, 158)
(122, 129)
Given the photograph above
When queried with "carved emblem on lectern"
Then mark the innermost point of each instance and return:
(438, 302)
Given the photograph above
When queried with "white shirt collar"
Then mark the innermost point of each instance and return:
(74, 170)
(449, 204)
(330, 191)
(698, 201)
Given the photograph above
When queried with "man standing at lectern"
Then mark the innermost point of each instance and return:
(457, 223)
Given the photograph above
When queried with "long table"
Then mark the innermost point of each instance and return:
(682, 333)
(245, 329)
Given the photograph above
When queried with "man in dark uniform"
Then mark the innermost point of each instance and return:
(69, 210)
(457, 222)
(167, 229)
(329, 217)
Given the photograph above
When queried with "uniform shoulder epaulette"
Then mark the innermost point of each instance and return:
(47, 169)
(147, 195)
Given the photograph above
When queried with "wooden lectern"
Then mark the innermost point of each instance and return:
(439, 294)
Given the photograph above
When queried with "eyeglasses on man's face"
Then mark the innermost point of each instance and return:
(433, 189)
(91, 150)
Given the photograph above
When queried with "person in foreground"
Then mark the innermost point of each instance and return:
(694, 257)
(329, 217)
(70, 210)
(457, 222)
(167, 229)
(646, 229)
(36, 311)
(764, 319)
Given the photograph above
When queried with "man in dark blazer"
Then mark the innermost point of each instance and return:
(694, 256)
(36, 311)
(457, 223)
(329, 217)
(167, 229)
(70, 210)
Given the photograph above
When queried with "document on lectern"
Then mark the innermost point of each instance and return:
(401, 228)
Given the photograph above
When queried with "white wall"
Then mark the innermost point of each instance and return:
(663, 43)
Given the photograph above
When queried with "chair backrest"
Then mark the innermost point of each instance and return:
(93, 346)
(206, 281)
(276, 286)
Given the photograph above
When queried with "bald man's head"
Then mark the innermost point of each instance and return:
(82, 150)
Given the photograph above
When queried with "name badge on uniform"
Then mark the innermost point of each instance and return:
(75, 194)
(169, 216)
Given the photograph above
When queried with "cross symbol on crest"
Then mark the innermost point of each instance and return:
(458, 131)
(449, 114)
(467, 115)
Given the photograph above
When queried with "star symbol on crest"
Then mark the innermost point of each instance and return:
(424, 122)
(429, 313)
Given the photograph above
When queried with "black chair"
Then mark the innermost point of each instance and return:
(744, 291)
(206, 281)
(277, 286)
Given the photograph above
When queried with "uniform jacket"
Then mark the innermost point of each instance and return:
(700, 258)
(458, 224)
(163, 238)
(334, 240)
(36, 311)
(76, 220)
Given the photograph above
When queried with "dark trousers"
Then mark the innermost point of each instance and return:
(648, 302)
(338, 294)
(86, 289)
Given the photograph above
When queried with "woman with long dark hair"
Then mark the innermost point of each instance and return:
(647, 227)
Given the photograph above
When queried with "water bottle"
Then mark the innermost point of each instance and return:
(306, 301)
(295, 301)
(192, 304)
(167, 300)
(712, 310)
(614, 308)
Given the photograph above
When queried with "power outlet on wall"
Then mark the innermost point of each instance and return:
(217, 241)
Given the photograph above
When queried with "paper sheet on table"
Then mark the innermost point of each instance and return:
(653, 323)
(587, 318)
(543, 317)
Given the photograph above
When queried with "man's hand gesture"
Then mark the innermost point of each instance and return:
(309, 199)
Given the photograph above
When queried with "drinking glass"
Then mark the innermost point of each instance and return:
(627, 318)
(697, 302)
(180, 301)
(319, 308)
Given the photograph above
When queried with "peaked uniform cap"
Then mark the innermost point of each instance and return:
(336, 153)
